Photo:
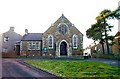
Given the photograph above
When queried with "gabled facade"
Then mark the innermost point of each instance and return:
(31, 43)
(62, 38)
(8, 41)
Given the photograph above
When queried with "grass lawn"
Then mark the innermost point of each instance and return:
(76, 68)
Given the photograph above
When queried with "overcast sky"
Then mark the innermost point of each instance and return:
(38, 15)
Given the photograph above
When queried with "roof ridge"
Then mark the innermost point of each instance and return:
(35, 33)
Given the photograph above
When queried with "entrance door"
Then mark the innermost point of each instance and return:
(17, 50)
(63, 48)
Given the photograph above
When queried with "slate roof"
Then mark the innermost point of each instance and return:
(32, 37)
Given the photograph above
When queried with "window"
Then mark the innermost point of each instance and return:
(62, 28)
(6, 39)
(75, 41)
(37, 45)
(50, 41)
(34, 45)
(5, 49)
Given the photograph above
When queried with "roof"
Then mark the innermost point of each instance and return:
(64, 18)
(117, 34)
(32, 37)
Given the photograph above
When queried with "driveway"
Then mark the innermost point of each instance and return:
(12, 68)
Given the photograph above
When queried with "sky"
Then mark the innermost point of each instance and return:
(38, 15)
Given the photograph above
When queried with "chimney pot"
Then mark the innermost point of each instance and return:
(26, 31)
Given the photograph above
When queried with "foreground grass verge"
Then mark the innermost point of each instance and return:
(76, 68)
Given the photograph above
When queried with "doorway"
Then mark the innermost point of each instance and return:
(63, 48)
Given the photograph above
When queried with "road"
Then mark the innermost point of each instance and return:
(107, 61)
(11, 68)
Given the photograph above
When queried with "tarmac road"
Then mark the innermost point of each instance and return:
(115, 63)
(12, 69)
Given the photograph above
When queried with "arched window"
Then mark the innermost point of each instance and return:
(62, 28)
(50, 41)
(75, 41)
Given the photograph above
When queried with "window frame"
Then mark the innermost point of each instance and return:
(50, 41)
(33, 43)
(4, 50)
(62, 29)
(6, 39)
(73, 41)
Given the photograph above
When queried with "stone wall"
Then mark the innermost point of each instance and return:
(24, 49)
(116, 47)
(9, 54)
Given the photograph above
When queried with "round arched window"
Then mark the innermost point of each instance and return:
(62, 28)
(50, 41)
(75, 41)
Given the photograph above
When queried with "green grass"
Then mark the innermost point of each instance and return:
(76, 68)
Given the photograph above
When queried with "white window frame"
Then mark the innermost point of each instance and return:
(6, 39)
(52, 41)
(38, 47)
(5, 50)
(33, 43)
(21, 46)
(62, 28)
(73, 41)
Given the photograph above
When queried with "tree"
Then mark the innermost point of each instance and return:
(99, 31)
(116, 13)
(102, 18)
(96, 33)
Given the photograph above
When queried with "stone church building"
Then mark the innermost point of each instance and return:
(62, 38)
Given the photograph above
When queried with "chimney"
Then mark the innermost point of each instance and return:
(11, 28)
(52, 24)
(26, 31)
